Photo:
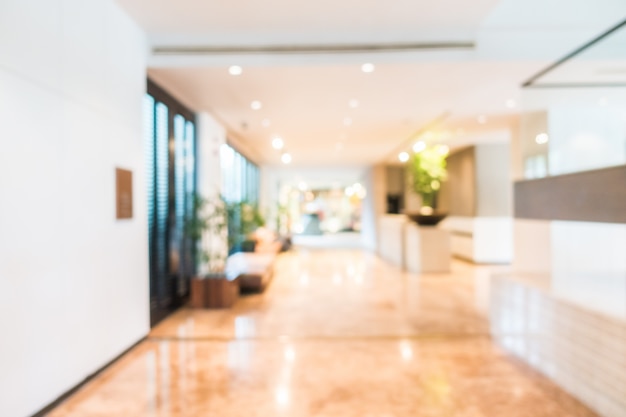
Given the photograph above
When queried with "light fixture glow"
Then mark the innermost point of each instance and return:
(542, 138)
(419, 146)
(290, 354)
(403, 156)
(235, 70)
(354, 103)
(256, 105)
(278, 143)
(285, 158)
(368, 67)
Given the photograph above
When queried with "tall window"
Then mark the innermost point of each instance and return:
(171, 181)
(240, 184)
(240, 177)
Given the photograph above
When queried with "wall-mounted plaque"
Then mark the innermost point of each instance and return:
(124, 193)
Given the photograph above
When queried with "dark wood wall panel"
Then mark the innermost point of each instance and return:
(591, 196)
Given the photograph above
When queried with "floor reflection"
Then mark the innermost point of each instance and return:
(338, 333)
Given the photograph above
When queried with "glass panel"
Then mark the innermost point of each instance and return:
(162, 194)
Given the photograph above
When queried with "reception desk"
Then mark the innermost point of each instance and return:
(576, 345)
(426, 249)
(415, 248)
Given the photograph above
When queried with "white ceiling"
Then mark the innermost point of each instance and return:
(306, 96)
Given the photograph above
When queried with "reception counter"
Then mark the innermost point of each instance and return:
(578, 343)
(415, 248)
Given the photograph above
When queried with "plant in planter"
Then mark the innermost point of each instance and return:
(426, 172)
(208, 227)
(244, 219)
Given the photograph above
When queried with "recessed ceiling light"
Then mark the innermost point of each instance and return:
(354, 103)
(278, 143)
(542, 138)
(510, 103)
(265, 123)
(368, 67)
(235, 70)
(256, 105)
(403, 156)
(286, 158)
(419, 146)
(482, 119)
(347, 121)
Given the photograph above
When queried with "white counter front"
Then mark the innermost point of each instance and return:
(426, 249)
(391, 238)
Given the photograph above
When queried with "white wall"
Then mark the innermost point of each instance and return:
(74, 281)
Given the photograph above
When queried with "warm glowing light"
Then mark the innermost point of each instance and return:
(278, 143)
(354, 103)
(542, 138)
(482, 119)
(419, 146)
(256, 105)
(403, 156)
(282, 396)
(368, 67)
(290, 354)
(406, 351)
(286, 158)
(349, 191)
(235, 70)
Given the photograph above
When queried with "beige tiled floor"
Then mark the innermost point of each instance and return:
(338, 333)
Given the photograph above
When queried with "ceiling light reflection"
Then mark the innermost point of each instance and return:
(403, 156)
(235, 70)
(368, 67)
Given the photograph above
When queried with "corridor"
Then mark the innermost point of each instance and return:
(337, 333)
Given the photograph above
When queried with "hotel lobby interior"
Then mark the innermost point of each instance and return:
(372, 209)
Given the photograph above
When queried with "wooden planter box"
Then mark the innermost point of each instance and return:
(215, 291)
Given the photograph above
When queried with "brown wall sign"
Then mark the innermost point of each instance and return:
(124, 193)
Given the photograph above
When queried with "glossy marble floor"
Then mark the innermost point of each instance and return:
(338, 333)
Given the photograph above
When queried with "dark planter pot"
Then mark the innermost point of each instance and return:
(214, 291)
(426, 219)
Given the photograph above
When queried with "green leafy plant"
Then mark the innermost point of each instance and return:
(243, 219)
(427, 170)
(207, 226)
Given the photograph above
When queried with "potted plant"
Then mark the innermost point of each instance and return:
(208, 228)
(244, 219)
(426, 172)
